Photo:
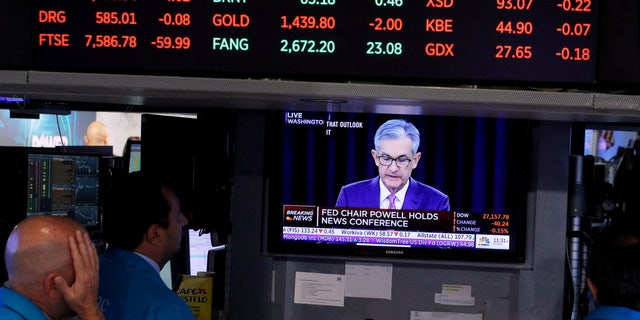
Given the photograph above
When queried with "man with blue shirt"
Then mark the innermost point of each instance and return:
(142, 225)
(53, 271)
(395, 154)
(613, 274)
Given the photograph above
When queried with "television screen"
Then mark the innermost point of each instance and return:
(459, 186)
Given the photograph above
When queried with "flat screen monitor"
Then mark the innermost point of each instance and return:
(199, 246)
(64, 185)
(39, 181)
(609, 168)
(133, 155)
(465, 199)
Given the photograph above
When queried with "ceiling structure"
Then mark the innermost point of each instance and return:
(137, 93)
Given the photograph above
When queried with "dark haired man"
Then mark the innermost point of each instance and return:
(142, 226)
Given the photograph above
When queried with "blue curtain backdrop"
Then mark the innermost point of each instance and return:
(481, 163)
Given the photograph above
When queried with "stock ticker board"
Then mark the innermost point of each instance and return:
(475, 40)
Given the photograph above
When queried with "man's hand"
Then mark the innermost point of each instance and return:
(82, 295)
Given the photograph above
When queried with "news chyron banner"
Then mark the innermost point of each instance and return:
(412, 228)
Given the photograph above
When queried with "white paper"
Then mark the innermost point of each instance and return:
(319, 288)
(428, 315)
(368, 280)
(454, 300)
(455, 295)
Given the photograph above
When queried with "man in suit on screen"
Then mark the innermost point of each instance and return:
(396, 155)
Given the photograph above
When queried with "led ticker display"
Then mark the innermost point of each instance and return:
(479, 40)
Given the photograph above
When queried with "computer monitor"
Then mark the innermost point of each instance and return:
(43, 181)
(133, 155)
(64, 185)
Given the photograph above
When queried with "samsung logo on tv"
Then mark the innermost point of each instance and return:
(395, 252)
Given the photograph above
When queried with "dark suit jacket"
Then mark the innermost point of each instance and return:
(366, 194)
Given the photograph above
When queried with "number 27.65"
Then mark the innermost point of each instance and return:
(511, 52)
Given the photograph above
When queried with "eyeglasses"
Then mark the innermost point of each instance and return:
(400, 161)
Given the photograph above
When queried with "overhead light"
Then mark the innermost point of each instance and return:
(323, 100)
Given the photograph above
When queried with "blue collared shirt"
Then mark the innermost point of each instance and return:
(131, 288)
(613, 313)
(15, 306)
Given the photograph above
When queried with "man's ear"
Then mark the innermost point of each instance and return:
(153, 234)
(374, 155)
(416, 159)
(50, 288)
(594, 290)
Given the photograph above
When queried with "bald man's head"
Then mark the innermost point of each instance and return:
(38, 246)
(97, 134)
(52, 263)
